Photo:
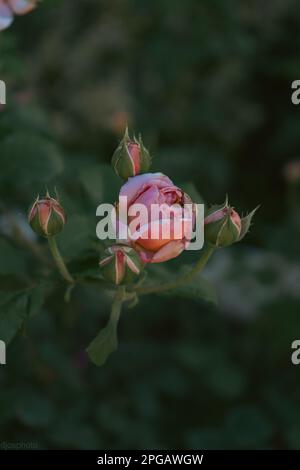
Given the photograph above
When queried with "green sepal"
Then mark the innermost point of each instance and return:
(246, 223)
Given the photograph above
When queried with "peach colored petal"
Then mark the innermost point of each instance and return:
(152, 244)
(167, 252)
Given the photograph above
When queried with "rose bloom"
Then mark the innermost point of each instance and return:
(167, 230)
(9, 8)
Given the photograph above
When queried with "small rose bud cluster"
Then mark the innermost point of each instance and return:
(9, 8)
(131, 157)
(120, 264)
(222, 225)
(47, 217)
(124, 260)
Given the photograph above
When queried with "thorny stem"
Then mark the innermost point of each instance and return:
(187, 277)
(59, 261)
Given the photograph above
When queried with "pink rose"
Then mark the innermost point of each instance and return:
(165, 234)
(9, 8)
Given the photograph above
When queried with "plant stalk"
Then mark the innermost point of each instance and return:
(151, 289)
(59, 261)
(117, 304)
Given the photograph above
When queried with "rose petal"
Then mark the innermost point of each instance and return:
(167, 252)
(137, 184)
(21, 7)
(6, 16)
(119, 266)
(148, 197)
(44, 208)
(133, 150)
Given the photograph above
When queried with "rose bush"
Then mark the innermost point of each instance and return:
(154, 221)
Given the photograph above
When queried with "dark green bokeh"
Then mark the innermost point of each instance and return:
(208, 83)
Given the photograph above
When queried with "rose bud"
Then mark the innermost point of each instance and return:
(10, 7)
(223, 225)
(47, 217)
(166, 232)
(131, 157)
(120, 264)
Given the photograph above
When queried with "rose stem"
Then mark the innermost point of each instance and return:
(59, 260)
(207, 252)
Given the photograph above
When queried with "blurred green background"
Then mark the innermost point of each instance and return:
(208, 83)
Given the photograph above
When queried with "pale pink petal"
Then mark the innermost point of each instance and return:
(148, 197)
(120, 265)
(21, 7)
(44, 213)
(133, 150)
(137, 184)
(6, 16)
(235, 218)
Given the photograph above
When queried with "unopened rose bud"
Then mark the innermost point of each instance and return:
(120, 264)
(47, 217)
(223, 225)
(131, 157)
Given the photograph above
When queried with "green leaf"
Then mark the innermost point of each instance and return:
(36, 297)
(29, 160)
(198, 288)
(91, 179)
(12, 259)
(100, 182)
(76, 237)
(17, 306)
(29, 118)
(13, 312)
(105, 343)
